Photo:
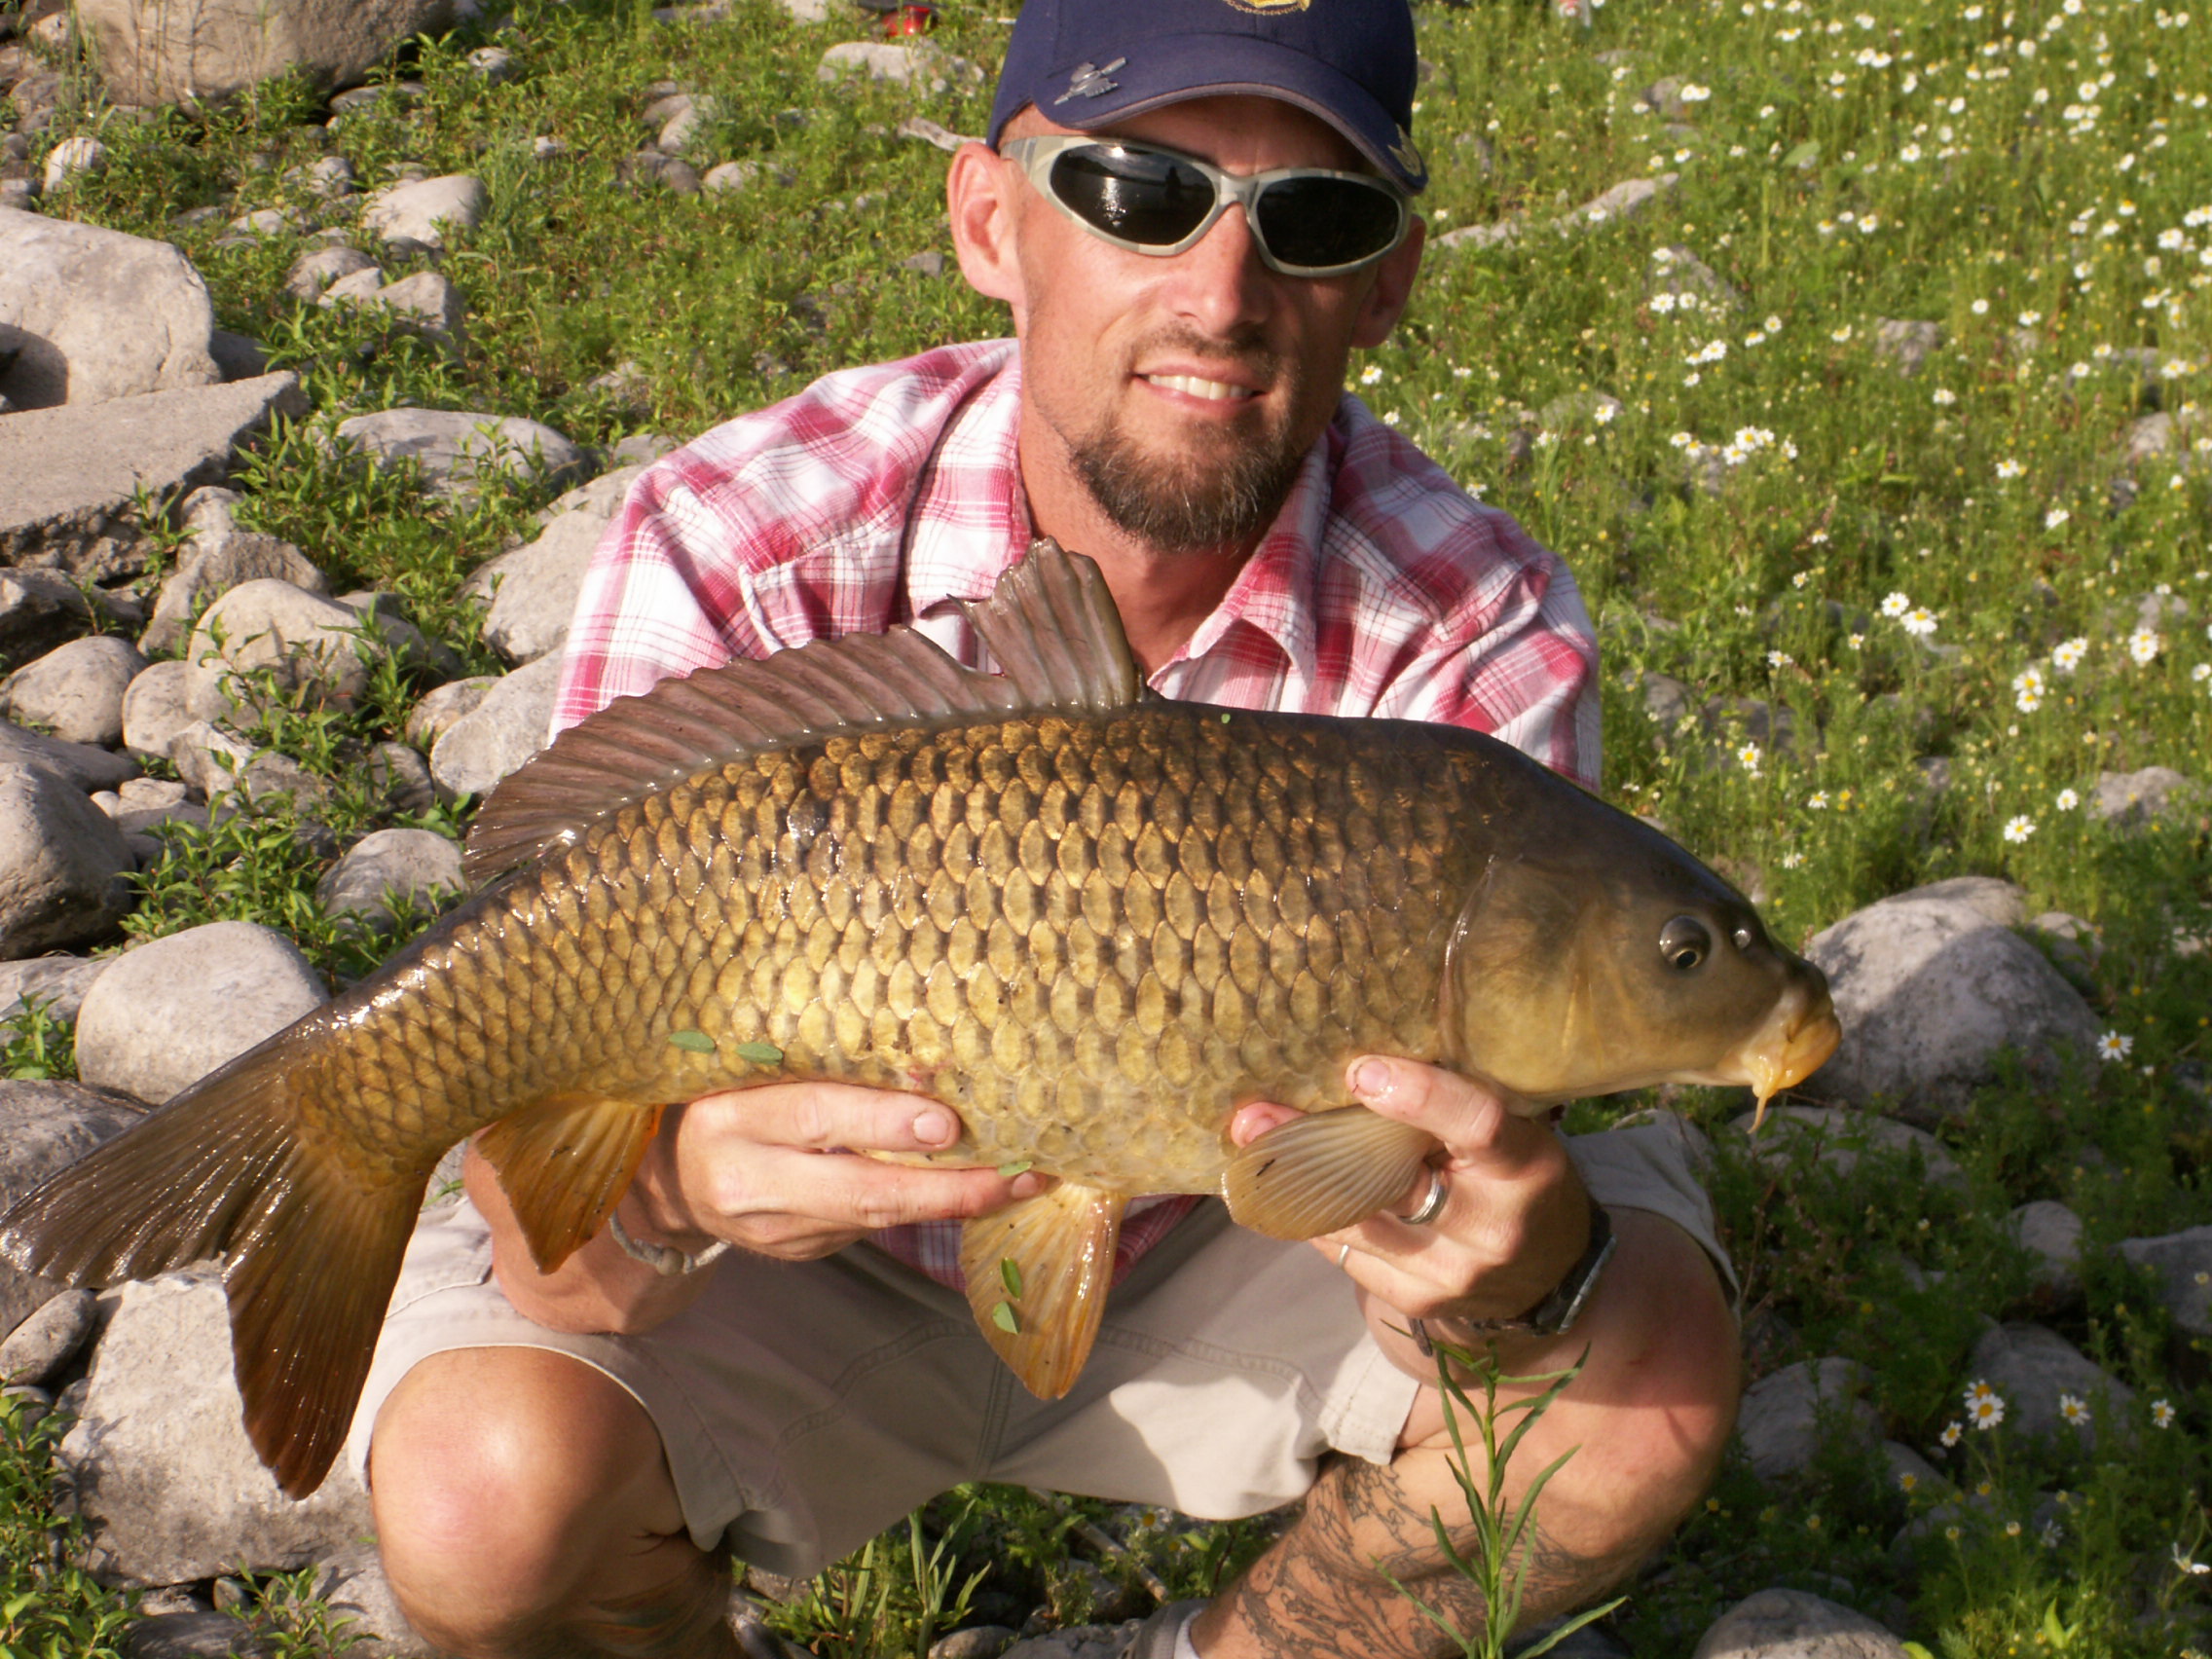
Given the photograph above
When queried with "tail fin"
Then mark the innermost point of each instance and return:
(313, 1249)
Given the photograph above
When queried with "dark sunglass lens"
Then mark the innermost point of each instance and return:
(1153, 200)
(1320, 222)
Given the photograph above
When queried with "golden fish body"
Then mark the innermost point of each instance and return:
(1093, 924)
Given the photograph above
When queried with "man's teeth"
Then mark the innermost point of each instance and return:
(1192, 387)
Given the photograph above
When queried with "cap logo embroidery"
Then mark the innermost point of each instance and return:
(1265, 8)
(1407, 156)
(1092, 80)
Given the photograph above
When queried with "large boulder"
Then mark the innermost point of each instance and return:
(44, 1128)
(311, 644)
(153, 53)
(95, 315)
(1931, 986)
(2037, 1372)
(1786, 1416)
(64, 866)
(76, 690)
(70, 477)
(1795, 1624)
(86, 765)
(455, 450)
(502, 731)
(163, 1473)
(532, 590)
(168, 1013)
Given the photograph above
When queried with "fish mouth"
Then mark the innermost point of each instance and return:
(1795, 1042)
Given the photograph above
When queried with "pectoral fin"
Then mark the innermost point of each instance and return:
(563, 1164)
(1322, 1171)
(1037, 1272)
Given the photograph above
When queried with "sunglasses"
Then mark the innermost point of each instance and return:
(1306, 221)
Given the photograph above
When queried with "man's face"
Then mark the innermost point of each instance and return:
(1185, 392)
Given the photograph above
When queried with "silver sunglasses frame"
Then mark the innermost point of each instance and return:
(1035, 158)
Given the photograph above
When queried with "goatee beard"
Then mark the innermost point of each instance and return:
(1200, 504)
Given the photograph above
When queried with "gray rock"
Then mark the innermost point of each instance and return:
(2074, 944)
(164, 1472)
(2052, 1234)
(72, 159)
(267, 222)
(494, 64)
(2160, 434)
(731, 177)
(358, 287)
(154, 710)
(39, 611)
(308, 643)
(402, 777)
(150, 54)
(502, 731)
(218, 564)
(332, 177)
(352, 1582)
(98, 315)
(2157, 794)
(1579, 409)
(2182, 1265)
(653, 167)
(194, 1634)
(930, 132)
(76, 690)
(1912, 1477)
(85, 767)
(455, 449)
(1795, 1624)
(2032, 1366)
(214, 760)
(238, 356)
(426, 211)
(436, 710)
(316, 269)
(1079, 1641)
(63, 864)
(532, 590)
(417, 865)
(1676, 270)
(44, 1128)
(639, 449)
(428, 301)
(69, 476)
(59, 984)
(1628, 199)
(1930, 986)
(918, 64)
(1839, 1138)
(1905, 345)
(976, 1642)
(43, 1343)
(170, 1011)
(1787, 1416)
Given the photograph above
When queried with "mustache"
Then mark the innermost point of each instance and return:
(1244, 348)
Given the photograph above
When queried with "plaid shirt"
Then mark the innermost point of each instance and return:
(881, 494)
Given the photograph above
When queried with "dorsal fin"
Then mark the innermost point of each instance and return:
(1049, 624)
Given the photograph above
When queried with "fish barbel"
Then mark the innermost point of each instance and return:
(1092, 921)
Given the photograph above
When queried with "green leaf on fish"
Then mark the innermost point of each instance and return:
(759, 1053)
(1020, 1166)
(1006, 1319)
(693, 1042)
(1010, 1275)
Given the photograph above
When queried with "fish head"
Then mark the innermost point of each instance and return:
(1606, 957)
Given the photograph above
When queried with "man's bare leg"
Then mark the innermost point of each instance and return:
(1650, 1411)
(525, 1511)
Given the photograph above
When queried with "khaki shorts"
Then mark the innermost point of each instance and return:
(807, 1406)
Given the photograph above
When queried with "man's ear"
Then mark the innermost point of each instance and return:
(978, 192)
(1392, 288)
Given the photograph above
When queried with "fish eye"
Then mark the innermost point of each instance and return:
(1743, 937)
(1684, 944)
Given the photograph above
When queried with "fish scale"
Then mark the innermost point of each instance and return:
(1093, 922)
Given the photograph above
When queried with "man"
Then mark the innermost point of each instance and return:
(560, 1462)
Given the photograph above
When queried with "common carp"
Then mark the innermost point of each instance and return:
(1092, 921)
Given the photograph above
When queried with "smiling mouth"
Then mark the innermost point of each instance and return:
(1191, 385)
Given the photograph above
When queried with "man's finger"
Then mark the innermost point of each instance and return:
(819, 1115)
(861, 1193)
(1473, 1121)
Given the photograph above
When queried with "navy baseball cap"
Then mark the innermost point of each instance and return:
(1085, 64)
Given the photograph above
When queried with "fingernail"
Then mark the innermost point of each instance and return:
(933, 1129)
(1371, 1079)
(1027, 1186)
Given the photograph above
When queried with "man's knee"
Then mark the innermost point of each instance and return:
(503, 1479)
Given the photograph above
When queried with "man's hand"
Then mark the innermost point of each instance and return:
(1516, 1219)
(776, 1170)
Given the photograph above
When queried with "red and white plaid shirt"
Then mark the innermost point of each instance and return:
(881, 494)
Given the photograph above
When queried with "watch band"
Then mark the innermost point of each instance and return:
(665, 1260)
(1556, 1313)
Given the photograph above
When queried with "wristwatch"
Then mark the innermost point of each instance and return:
(1556, 1314)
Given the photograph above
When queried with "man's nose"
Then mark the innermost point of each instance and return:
(1221, 281)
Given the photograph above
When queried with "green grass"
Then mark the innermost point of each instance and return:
(1740, 524)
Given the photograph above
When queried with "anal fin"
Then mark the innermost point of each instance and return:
(1323, 1172)
(1037, 1272)
(565, 1162)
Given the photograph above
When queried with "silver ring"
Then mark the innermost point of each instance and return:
(1343, 1255)
(1432, 1207)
